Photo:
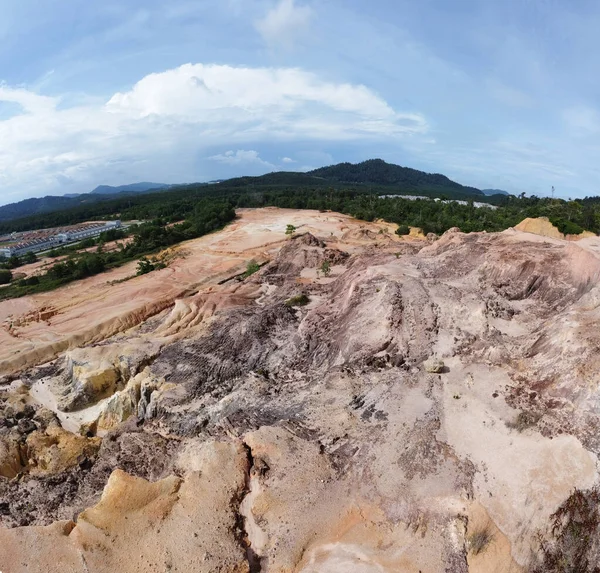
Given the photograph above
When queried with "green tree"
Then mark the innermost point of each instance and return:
(145, 266)
(326, 268)
(290, 230)
(5, 276)
(29, 258)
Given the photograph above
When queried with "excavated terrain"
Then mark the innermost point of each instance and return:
(424, 405)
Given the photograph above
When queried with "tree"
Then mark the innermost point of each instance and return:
(403, 230)
(290, 230)
(5, 276)
(14, 262)
(29, 257)
(145, 266)
(326, 268)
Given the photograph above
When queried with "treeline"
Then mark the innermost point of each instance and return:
(188, 204)
(147, 238)
(192, 211)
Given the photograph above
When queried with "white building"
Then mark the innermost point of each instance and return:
(47, 243)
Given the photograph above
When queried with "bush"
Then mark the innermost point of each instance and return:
(30, 281)
(326, 268)
(5, 276)
(298, 300)
(145, 266)
(403, 230)
(290, 230)
(567, 227)
(524, 420)
(480, 539)
(251, 268)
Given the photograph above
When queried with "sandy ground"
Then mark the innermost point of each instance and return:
(36, 328)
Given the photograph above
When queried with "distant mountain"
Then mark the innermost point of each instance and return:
(378, 172)
(132, 188)
(35, 207)
(490, 192)
(51, 203)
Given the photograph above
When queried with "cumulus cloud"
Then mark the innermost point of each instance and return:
(241, 157)
(288, 160)
(284, 23)
(179, 113)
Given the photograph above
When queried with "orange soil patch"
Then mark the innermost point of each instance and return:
(36, 328)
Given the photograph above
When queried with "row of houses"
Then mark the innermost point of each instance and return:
(53, 241)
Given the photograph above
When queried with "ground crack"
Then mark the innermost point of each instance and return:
(246, 526)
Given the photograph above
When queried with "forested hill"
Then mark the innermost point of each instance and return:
(378, 172)
(373, 176)
(35, 206)
(51, 203)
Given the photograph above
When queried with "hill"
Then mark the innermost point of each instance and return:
(51, 203)
(132, 188)
(378, 172)
(371, 175)
(490, 192)
(35, 206)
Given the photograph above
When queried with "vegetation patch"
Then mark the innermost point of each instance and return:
(147, 238)
(574, 546)
(524, 421)
(298, 300)
(251, 268)
(325, 268)
(480, 540)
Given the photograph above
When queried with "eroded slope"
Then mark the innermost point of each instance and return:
(241, 431)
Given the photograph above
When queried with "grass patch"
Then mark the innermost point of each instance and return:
(480, 540)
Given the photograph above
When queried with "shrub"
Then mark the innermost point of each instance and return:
(290, 230)
(403, 230)
(298, 300)
(5, 276)
(567, 227)
(251, 268)
(145, 266)
(480, 539)
(524, 420)
(326, 268)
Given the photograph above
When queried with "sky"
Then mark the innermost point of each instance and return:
(492, 94)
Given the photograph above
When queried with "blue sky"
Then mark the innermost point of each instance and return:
(492, 94)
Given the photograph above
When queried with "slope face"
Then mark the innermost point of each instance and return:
(238, 430)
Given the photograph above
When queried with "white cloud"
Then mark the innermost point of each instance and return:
(241, 157)
(288, 160)
(284, 23)
(168, 118)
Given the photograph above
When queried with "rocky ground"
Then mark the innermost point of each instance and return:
(425, 405)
